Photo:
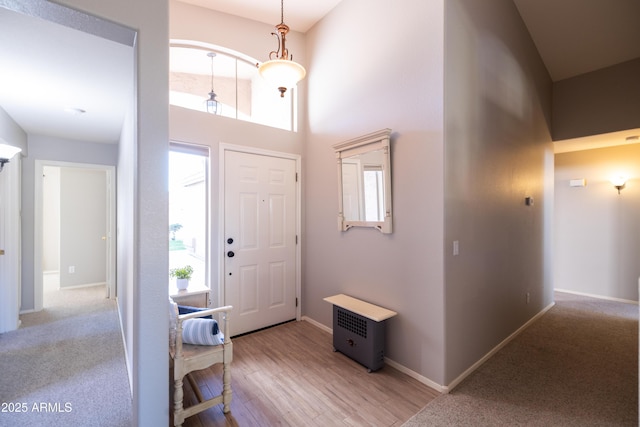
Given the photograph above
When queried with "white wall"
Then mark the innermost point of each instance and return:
(498, 152)
(597, 238)
(378, 64)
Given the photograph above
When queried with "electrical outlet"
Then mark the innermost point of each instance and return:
(456, 247)
(528, 298)
(72, 269)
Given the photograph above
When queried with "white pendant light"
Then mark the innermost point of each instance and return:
(281, 70)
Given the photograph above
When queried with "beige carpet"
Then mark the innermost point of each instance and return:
(576, 366)
(65, 365)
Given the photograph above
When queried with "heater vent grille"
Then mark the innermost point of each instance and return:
(354, 324)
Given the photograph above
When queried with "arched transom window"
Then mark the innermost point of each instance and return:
(241, 92)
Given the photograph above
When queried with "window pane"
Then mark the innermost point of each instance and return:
(188, 213)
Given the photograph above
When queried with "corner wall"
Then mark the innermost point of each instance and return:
(498, 151)
(598, 102)
(377, 64)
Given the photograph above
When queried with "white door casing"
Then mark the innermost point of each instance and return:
(10, 247)
(260, 228)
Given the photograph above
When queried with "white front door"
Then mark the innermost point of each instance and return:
(259, 240)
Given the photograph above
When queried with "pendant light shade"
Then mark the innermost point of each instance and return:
(281, 71)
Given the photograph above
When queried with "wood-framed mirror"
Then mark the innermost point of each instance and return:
(364, 182)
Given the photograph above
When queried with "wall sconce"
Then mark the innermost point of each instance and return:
(619, 182)
(6, 153)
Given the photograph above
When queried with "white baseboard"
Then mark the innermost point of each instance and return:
(497, 348)
(413, 374)
(434, 385)
(317, 324)
(124, 344)
(86, 285)
(627, 301)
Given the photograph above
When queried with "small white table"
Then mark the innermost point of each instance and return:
(196, 295)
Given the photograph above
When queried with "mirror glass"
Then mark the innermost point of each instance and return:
(364, 177)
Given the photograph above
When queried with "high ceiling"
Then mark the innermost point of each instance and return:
(47, 67)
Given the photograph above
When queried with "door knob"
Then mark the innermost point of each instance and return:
(230, 254)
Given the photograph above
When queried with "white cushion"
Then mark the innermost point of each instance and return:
(200, 332)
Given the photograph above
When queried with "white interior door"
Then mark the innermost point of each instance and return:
(260, 224)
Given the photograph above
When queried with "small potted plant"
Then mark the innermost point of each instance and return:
(182, 275)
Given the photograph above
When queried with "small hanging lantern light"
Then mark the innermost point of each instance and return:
(213, 106)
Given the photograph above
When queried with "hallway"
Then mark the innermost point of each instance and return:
(65, 365)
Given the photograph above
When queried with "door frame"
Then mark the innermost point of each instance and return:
(38, 229)
(224, 147)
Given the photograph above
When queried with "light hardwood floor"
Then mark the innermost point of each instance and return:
(289, 375)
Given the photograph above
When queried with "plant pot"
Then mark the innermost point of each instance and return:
(182, 283)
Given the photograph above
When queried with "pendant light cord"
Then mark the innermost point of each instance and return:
(282, 11)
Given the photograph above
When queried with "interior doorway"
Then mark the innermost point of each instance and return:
(74, 227)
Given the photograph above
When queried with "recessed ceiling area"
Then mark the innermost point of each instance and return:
(50, 72)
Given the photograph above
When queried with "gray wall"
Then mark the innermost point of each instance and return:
(597, 238)
(365, 76)
(497, 152)
(602, 101)
(83, 223)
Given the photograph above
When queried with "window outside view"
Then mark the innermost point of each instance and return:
(188, 214)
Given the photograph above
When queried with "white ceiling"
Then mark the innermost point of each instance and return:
(299, 15)
(47, 67)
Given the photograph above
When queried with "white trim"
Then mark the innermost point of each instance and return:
(416, 376)
(38, 231)
(317, 324)
(221, 197)
(86, 285)
(602, 297)
(430, 383)
(413, 374)
(497, 348)
(124, 346)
